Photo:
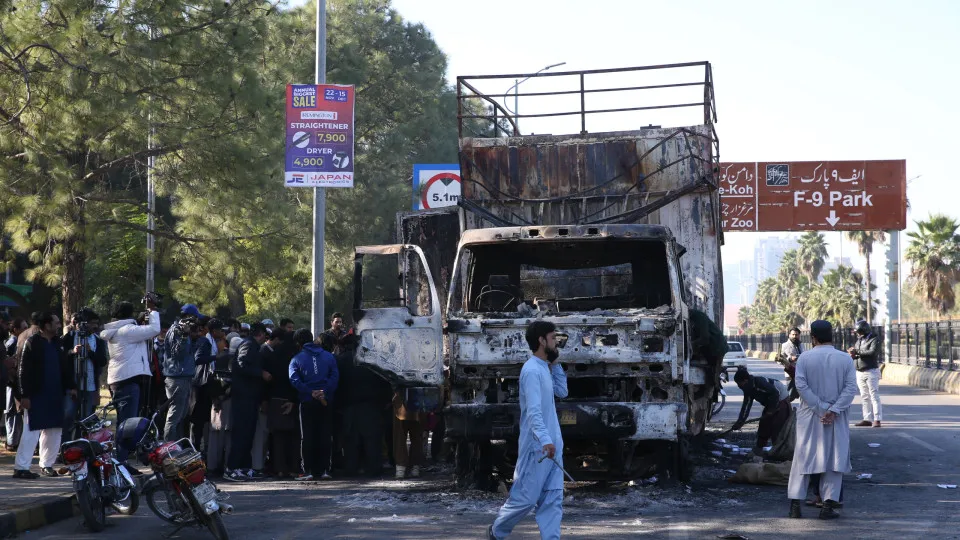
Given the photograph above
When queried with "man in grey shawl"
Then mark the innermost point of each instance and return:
(827, 383)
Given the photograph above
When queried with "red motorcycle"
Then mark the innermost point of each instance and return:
(99, 480)
(179, 491)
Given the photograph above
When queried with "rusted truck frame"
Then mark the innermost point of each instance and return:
(613, 237)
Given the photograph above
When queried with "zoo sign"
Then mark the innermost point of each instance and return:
(436, 186)
(813, 195)
(319, 135)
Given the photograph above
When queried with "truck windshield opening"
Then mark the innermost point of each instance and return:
(568, 276)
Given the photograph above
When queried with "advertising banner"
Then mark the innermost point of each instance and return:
(319, 135)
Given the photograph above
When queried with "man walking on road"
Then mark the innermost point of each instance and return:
(538, 479)
(827, 384)
(866, 354)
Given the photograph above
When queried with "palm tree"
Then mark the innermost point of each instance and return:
(840, 298)
(865, 241)
(934, 255)
(744, 318)
(812, 254)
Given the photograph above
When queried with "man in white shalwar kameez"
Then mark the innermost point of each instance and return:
(537, 480)
(827, 383)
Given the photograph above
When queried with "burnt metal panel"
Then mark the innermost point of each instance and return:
(580, 179)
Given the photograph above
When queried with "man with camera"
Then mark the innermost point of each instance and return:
(179, 367)
(87, 353)
(128, 343)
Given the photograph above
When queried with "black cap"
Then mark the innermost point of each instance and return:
(822, 331)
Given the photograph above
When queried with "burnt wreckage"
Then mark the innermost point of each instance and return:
(614, 237)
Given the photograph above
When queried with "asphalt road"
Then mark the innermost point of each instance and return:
(919, 448)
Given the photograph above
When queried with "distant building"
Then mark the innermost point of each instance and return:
(768, 253)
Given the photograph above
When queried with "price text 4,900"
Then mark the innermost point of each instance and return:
(308, 162)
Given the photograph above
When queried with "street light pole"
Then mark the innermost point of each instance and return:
(319, 193)
(151, 196)
(516, 94)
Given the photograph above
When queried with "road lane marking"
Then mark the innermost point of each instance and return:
(926, 445)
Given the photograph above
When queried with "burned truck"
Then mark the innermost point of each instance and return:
(612, 236)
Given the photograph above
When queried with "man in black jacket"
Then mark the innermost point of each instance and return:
(247, 386)
(94, 352)
(363, 395)
(866, 355)
(776, 407)
(283, 419)
(44, 377)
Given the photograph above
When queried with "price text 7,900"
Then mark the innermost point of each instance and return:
(331, 137)
(308, 162)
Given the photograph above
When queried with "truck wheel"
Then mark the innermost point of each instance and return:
(462, 470)
(474, 466)
(683, 465)
(674, 463)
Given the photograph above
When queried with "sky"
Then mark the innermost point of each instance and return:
(813, 80)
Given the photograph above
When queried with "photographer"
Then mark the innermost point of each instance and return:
(87, 353)
(129, 356)
(179, 367)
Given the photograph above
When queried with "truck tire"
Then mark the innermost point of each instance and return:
(674, 463)
(474, 466)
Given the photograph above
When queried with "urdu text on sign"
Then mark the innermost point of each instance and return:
(813, 195)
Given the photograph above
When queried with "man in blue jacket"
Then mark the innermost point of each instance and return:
(313, 372)
(179, 364)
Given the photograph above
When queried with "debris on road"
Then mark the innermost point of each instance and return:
(774, 474)
(874, 445)
(397, 519)
(864, 476)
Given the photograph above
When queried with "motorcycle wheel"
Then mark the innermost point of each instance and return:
(160, 505)
(91, 505)
(216, 527)
(129, 505)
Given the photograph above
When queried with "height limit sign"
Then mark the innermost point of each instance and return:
(436, 186)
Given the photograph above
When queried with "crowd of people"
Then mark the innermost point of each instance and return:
(257, 400)
(824, 381)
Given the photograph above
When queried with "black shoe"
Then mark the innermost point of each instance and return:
(490, 535)
(132, 470)
(829, 510)
(794, 509)
(49, 472)
(25, 475)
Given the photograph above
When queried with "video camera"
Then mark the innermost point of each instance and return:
(151, 298)
(81, 321)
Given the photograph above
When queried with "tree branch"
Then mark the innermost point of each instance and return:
(120, 162)
(180, 238)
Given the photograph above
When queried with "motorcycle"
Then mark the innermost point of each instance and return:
(179, 491)
(99, 480)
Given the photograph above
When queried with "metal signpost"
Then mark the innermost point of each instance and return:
(320, 150)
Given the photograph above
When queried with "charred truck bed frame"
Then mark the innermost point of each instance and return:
(613, 237)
